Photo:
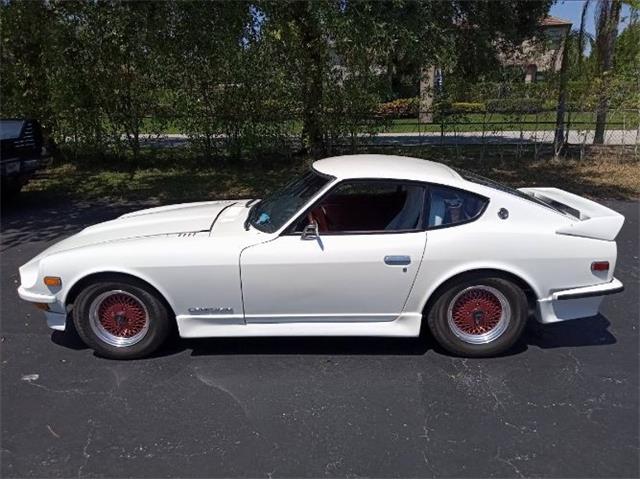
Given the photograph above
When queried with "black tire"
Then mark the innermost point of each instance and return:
(11, 190)
(449, 336)
(158, 319)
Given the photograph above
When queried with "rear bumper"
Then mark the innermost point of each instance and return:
(614, 286)
(576, 302)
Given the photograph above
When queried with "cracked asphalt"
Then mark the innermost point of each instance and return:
(563, 403)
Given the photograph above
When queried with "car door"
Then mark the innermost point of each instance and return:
(360, 267)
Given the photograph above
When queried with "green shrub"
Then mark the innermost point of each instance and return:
(468, 107)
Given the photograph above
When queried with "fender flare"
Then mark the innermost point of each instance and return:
(518, 277)
(76, 285)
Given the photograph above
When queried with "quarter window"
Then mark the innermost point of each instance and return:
(449, 206)
(368, 207)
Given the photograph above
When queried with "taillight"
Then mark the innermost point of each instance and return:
(599, 266)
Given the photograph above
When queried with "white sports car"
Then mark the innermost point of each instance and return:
(363, 245)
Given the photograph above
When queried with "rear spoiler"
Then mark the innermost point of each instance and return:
(592, 220)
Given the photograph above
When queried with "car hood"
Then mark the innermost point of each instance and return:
(171, 219)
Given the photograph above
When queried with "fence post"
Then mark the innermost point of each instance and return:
(535, 138)
(635, 153)
(624, 130)
(568, 129)
(484, 135)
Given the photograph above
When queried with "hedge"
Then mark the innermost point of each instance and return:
(400, 108)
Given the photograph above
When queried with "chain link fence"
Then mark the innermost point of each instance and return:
(532, 132)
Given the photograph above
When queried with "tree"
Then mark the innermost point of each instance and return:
(95, 65)
(205, 74)
(478, 36)
(582, 35)
(333, 46)
(253, 70)
(126, 38)
(26, 32)
(627, 49)
(608, 17)
(559, 137)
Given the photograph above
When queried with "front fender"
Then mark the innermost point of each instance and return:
(189, 272)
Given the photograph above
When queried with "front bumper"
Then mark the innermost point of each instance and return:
(35, 297)
(55, 320)
(575, 303)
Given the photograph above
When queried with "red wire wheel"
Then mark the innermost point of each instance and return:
(479, 314)
(119, 318)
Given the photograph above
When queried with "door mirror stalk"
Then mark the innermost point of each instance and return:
(310, 232)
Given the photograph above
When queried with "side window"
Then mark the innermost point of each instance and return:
(449, 206)
(368, 207)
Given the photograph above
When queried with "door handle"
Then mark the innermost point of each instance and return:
(397, 259)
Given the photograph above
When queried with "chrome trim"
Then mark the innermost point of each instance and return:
(594, 293)
(397, 259)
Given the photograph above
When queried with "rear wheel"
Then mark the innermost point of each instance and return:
(121, 320)
(11, 189)
(479, 316)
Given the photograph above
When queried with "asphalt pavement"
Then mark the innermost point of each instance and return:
(563, 403)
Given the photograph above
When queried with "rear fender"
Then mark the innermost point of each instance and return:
(490, 269)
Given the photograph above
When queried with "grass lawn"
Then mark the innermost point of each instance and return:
(470, 122)
(177, 176)
(496, 122)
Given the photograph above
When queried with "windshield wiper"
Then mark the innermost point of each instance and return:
(249, 218)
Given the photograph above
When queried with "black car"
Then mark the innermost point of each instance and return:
(23, 150)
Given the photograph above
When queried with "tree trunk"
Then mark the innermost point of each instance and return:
(605, 43)
(312, 75)
(559, 139)
(581, 34)
(427, 89)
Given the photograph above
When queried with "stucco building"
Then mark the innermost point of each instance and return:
(539, 56)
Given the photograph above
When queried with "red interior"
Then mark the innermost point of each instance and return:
(358, 212)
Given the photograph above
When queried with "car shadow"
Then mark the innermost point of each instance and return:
(586, 332)
(276, 345)
(583, 332)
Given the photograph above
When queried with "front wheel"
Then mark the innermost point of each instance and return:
(479, 316)
(11, 189)
(121, 320)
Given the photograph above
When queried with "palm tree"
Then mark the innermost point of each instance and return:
(582, 34)
(607, 19)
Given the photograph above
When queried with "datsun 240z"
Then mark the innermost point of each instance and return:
(363, 245)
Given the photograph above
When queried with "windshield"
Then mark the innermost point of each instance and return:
(271, 213)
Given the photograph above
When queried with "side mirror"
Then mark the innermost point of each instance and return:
(310, 232)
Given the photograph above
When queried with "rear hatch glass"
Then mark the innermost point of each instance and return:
(553, 205)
